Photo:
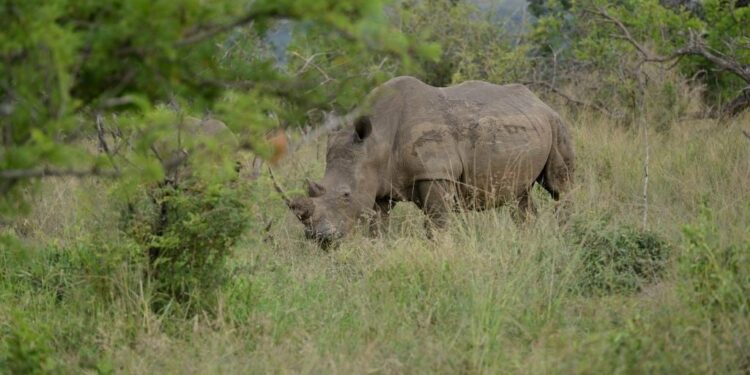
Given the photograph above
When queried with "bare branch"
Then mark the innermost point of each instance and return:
(119, 101)
(257, 164)
(207, 31)
(626, 33)
(695, 46)
(103, 146)
(331, 123)
(309, 62)
(13, 174)
(737, 105)
(571, 99)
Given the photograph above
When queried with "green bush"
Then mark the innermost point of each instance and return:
(24, 349)
(55, 294)
(618, 259)
(718, 276)
(188, 233)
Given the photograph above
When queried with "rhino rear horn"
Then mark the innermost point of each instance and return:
(315, 189)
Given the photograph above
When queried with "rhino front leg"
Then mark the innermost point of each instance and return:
(437, 199)
(379, 222)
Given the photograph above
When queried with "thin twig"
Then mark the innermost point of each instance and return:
(268, 237)
(571, 99)
(308, 61)
(640, 108)
(11, 174)
(331, 123)
(209, 31)
(645, 173)
(103, 145)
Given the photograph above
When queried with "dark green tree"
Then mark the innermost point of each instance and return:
(68, 63)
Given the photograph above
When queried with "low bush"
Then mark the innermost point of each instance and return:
(188, 233)
(25, 349)
(617, 259)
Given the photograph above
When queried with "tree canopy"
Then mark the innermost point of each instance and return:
(71, 67)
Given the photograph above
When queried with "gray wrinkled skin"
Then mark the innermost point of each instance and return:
(474, 146)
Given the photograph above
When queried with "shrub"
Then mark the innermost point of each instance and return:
(617, 259)
(188, 233)
(25, 350)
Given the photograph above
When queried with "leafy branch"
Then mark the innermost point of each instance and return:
(695, 46)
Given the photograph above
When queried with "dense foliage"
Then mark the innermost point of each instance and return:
(618, 260)
(584, 37)
(67, 62)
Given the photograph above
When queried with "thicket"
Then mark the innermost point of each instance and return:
(106, 89)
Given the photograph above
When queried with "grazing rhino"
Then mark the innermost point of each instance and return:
(475, 145)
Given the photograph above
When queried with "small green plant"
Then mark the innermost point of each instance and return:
(618, 259)
(717, 276)
(187, 233)
(24, 350)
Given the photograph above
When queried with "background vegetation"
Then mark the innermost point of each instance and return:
(117, 256)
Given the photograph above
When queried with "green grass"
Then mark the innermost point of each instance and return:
(487, 296)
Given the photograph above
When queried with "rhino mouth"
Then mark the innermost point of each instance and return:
(325, 238)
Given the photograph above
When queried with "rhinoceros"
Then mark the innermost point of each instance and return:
(475, 145)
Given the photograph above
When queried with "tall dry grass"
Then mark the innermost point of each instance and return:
(486, 296)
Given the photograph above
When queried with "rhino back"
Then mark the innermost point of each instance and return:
(492, 139)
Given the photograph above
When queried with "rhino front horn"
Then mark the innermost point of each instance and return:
(302, 208)
(279, 190)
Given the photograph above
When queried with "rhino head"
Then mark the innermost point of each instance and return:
(348, 188)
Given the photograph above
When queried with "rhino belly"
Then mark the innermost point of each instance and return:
(502, 160)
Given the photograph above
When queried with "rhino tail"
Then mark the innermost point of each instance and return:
(557, 175)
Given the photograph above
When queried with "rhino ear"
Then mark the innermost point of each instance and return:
(362, 128)
(315, 189)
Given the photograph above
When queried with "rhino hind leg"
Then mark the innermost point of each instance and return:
(554, 177)
(437, 199)
(557, 175)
